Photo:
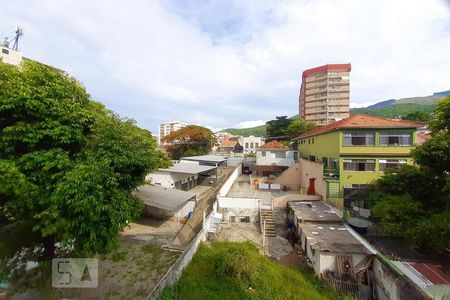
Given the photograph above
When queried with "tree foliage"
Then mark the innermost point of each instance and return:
(189, 141)
(299, 127)
(277, 128)
(67, 168)
(413, 201)
(418, 116)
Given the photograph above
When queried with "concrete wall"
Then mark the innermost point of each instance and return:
(247, 203)
(184, 211)
(271, 159)
(227, 185)
(174, 273)
(328, 260)
(281, 202)
(390, 285)
(291, 177)
(310, 169)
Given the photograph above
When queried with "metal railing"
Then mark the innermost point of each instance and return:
(331, 173)
(359, 291)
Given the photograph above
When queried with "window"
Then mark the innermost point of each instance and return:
(263, 153)
(5, 51)
(390, 163)
(280, 154)
(359, 138)
(251, 145)
(359, 165)
(395, 139)
(309, 141)
(246, 145)
(256, 145)
(312, 141)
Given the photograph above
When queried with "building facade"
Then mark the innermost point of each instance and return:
(356, 151)
(169, 127)
(325, 94)
(251, 143)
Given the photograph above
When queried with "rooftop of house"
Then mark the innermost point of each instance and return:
(163, 198)
(313, 211)
(332, 237)
(205, 158)
(273, 145)
(229, 144)
(359, 122)
(188, 168)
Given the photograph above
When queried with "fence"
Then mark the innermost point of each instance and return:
(359, 291)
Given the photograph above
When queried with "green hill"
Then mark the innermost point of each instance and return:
(394, 110)
(256, 131)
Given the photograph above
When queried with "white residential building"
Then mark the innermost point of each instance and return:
(169, 127)
(251, 143)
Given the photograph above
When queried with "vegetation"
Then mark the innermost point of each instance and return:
(277, 128)
(67, 169)
(395, 110)
(189, 141)
(413, 201)
(418, 116)
(255, 131)
(299, 127)
(228, 270)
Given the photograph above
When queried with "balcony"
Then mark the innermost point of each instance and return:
(330, 173)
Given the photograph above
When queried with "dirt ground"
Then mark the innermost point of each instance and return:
(130, 272)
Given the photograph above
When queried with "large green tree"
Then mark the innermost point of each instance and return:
(67, 168)
(414, 201)
(189, 141)
(299, 127)
(277, 128)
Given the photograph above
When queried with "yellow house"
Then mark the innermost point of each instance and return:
(355, 151)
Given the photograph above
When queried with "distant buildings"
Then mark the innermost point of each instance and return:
(325, 94)
(169, 127)
(251, 143)
(230, 147)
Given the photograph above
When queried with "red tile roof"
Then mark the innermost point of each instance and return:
(424, 136)
(432, 272)
(228, 143)
(273, 145)
(356, 122)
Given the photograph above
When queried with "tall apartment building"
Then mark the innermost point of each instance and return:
(325, 94)
(169, 127)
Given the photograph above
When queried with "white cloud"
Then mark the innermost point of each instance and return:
(218, 63)
(248, 124)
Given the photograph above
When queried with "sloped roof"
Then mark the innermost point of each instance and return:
(356, 122)
(163, 198)
(273, 145)
(187, 168)
(226, 144)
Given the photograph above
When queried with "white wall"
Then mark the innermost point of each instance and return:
(271, 159)
(227, 185)
(245, 203)
(328, 260)
(184, 211)
(247, 141)
(161, 178)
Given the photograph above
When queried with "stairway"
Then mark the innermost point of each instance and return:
(267, 215)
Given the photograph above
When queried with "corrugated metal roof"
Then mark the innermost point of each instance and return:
(188, 168)
(163, 198)
(206, 158)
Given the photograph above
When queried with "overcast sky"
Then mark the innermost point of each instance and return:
(233, 63)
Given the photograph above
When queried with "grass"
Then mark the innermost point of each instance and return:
(228, 270)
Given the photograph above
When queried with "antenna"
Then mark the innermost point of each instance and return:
(19, 33)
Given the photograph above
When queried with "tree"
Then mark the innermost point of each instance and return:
(413, 201)
(418, 116)
(189, 141)
(277, 128)
(67, 168)
(299, 127)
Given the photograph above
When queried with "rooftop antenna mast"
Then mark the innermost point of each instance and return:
(19, 33)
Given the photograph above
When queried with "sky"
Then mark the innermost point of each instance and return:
(233, 63)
